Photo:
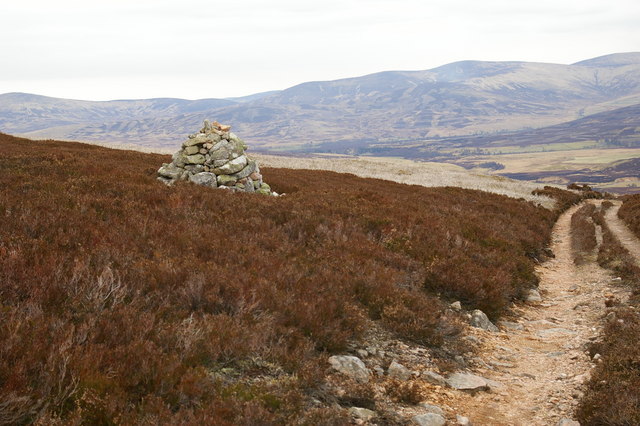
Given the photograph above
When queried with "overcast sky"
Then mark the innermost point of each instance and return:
(115, 49)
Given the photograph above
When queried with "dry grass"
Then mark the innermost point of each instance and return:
(583, 234)
(125, 301)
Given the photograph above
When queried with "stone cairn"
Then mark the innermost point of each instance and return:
(215, 157)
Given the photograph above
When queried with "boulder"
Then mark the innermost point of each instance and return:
(204, 179)
(195, 159)
(467, 382)
(429, 419)
(398, 371)
(434, 378)
(231, 167)
(350, 366)
(170, 171)
(480, 320)
(362, 413)
(429, 408)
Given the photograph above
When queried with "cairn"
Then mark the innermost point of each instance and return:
(215, 157)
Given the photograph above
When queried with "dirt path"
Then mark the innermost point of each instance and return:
(540, 362)
(622, 232)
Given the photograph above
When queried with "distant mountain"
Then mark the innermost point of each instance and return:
(462, 98)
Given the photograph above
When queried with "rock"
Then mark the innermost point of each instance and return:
(226, 180)
(480, 320)
(511, 325)
(232, 166)
(429, 419)
(264, 189)
(204, 179)
(170, 171)
(467, 382)
(463, 421)
(246, 171)
(533, 296)
(362, 413)
(434, 378)
(568, 422)
(190, 150)
(429, 408)
(456, 306)
(195, 159)
(350, 366)
(398, 371)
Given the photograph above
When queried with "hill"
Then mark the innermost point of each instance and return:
(124, 300)
(461, 98)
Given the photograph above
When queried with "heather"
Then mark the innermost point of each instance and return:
(126, 301)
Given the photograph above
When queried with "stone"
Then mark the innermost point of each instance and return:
(533, 296)
(195, 159)
(190, 150)
(456, 306)
(511, 325)
(350, 366)
(203, 151)
(170, 171)
(462, 420)
(362, 413)
(204, 179)
(429, 408)
(434, 378)
(429, 419)
(264, 189)
(226, 180)
(192, 141)
(194, 168)
(232, 166)
(467, 382)
(480, 320)
(246, 171)
(568, 422)
(398, 371)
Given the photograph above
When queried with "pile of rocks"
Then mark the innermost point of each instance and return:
(215, 157)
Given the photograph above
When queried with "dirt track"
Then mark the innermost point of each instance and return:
(540, 361)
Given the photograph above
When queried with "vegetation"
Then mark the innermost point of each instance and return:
(126, 301)
(630, 213)
(612, 396)
(583, 233)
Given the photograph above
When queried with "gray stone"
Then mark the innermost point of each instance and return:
(429, 419)
(204, 179)
(170, 171)
(568, 422)
(362, 413)
(192, 141)
(434, 378)
(226, 180)
(467, 382)
(480, 320)
(511, 325)
(533, 296)
(456, 306)
(462, 420)
(190, 150)
(429, 408)
(248, 186)
(350, 366)
(264, 189)
(195, 159)
(231, 167)
(165, 180)
(398, 371)
(194, 168)
(246, 171)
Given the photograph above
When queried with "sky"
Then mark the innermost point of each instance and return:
(130, 49)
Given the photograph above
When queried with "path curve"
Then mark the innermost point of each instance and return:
(622, 232)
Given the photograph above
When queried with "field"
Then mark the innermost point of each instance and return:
(126, 301)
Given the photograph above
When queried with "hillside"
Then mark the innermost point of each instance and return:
(462, 98)
(124, 300)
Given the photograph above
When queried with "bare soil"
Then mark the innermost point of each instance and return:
(540, 368)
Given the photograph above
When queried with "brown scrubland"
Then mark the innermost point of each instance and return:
(123, 301)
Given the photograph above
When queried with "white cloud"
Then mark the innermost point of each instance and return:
(195, 48)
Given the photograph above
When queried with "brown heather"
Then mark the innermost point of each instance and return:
(125, 301)
(630, 212)
(583, 233)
